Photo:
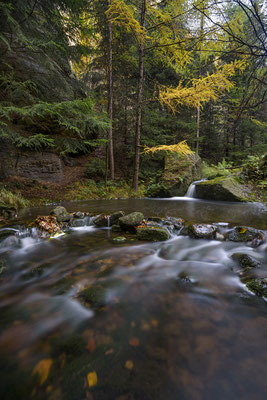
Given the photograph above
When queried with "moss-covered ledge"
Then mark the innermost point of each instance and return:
(224, 189)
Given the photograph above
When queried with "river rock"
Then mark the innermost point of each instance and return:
(152, 233)
(116, 228)
(223, 189)
(202, 231)
(130, 221)
(114, 218)
(61, 214)
(258, 286)
(119, 239)
(79, 214)
(94, 296)
(244, 234)
(246, 261)
(101, 221)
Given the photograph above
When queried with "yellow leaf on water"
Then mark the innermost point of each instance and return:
(129, 364)
(242, 230)
(92, 379)
(43, 369)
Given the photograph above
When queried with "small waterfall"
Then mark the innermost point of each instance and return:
(192, 188)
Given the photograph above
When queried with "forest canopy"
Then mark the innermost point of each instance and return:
(129, 75)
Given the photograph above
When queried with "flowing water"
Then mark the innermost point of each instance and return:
(167, 321)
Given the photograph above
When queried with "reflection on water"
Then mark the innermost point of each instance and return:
(160, 321)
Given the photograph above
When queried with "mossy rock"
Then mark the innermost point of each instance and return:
(94, 296)
(244, 234)
(258, 286)
(119, 239)
(223, 189)
(179, 173)
(130, 221)
(61, 214)
(152, 233)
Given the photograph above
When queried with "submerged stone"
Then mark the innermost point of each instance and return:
(61, 214)
(94, 296)
(246, 261)
(116, 228)
(202, 231)
(119, 239)
(130, 221)
(152, 233)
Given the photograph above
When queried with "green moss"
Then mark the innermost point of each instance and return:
(257, 286)
(94, 295)
(152, 233)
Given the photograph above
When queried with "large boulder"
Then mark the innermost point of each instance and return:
(152, 233)
(179, 172)
(130, 221)
(223, 189)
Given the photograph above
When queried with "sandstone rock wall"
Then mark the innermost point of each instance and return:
(45, 166)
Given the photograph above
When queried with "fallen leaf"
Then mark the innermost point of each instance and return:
(242, 230)
(108, 352)
(43, 369)
(129, 364)
(134, 341)
(154, 322)
(91, 345)
(92, 379)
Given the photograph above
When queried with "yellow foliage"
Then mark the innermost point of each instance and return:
(123, 15)
(201, 90)
(92, 379)
(42, 369)
(129, 364)
(181, 148)
(259, 123)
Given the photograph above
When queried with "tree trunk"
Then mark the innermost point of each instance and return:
(198, 129)
(110, 101)
(199, 74)
(139, 99)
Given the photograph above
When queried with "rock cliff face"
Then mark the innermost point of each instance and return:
(44, 166)
(35, 67)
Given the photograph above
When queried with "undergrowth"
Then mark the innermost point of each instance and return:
(12, 200)
(111, 190)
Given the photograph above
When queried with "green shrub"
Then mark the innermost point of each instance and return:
(11, 200)
(96, 168)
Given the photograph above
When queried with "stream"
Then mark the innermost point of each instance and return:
(167, 320)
